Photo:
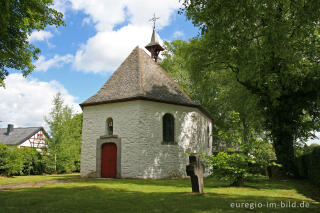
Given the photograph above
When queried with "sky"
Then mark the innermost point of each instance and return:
(78, 59)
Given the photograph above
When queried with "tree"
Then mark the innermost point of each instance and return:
(272, 49)
(17, 21)
(71, 144)
(236, 116)
(65, 141)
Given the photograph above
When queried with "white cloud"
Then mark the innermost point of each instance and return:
(57, 61)
(104, 13)
(178, 34)
(61, 5)
(140, 11)
(40, 36)
(25, 102)
(106, 50)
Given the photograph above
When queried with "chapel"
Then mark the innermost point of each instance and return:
(141, 124)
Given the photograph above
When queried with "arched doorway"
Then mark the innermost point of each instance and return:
(109, 160)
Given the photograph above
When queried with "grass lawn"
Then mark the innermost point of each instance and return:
(132, 195)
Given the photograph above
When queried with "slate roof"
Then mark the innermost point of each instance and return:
(18, 135)
(141, 78)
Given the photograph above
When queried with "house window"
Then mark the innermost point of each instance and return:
(168, 128)
(109, 126)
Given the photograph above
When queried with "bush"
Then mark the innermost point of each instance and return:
(262, 154)
(11, 162)
(231, 167)
(23, 161)
(314, 166)
(237, 167)
(302, 165)
(32, 161)
(4, 152)
(308, 165)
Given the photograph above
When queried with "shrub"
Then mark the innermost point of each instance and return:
(314, 166)
(237, 167)
(262, 154)
(308, 165)
(23, 161)
(13, 163)
(231, 167)
(302, 165)
(32, 164)
(4, 152)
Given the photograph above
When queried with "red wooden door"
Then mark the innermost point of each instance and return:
(109, 160)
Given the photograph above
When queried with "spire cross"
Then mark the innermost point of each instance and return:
(154, 19)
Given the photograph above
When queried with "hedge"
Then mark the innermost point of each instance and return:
(309, 165)
(23, 161)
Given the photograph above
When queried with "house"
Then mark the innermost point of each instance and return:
(33, 137)
(141, 124)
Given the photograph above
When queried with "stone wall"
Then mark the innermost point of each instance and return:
(139, 125)
(125, 121)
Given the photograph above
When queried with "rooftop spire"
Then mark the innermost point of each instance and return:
(154, 19)
(154, 47)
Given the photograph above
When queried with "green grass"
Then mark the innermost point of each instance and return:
(36, 178)
(132, 195)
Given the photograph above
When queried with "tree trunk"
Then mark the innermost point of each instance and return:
(55, 163)
(55, 159)
(238, 181)
(245, 134)
(283, 144)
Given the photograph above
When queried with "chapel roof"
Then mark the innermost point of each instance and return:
(18, 135)
(141, 78)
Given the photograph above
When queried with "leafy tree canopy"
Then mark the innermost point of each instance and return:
(65, 141)
(272, 49)
(236, 116)
(18, 18)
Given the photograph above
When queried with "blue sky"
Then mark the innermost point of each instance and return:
(77, 59)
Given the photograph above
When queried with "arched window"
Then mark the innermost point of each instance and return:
(109, 126)
(168, 128)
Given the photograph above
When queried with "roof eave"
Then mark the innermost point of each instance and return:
(147, 99)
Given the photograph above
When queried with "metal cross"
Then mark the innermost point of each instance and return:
(154, 19)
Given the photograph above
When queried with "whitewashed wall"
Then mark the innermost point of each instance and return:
(139, 125)
(125, 121)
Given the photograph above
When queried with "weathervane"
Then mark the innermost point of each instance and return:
(154, 19)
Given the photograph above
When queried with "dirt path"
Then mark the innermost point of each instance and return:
(27, 185)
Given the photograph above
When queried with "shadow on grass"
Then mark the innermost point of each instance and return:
(300, 186)
(69, 198)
